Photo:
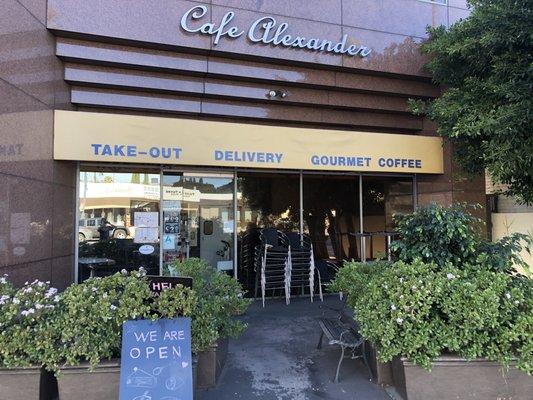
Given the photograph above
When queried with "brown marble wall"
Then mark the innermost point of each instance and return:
(391, 28)
(36, 193)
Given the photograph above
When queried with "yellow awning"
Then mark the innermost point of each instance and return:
(103, 137)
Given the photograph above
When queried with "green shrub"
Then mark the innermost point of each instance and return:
(220, 299)
(450, 292)
(505, 254)
(27, 318)
(352, 278)
(421, 311)
(437, 234)
(84, 323)
(449, 235)
(91, 314)
(89, 327)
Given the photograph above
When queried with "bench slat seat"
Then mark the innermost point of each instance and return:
(340, 333)
(343, 331)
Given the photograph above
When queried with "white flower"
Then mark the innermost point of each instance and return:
(413, 287)
(516, 302)
(50, 292)
(25, 313)
(3, 280)
(450, 275)
(56, 298)
(399, 320)
(142, 271)
(16, 300)
(123, 271)
(104, 295)
(508, 295)
(113, 307)
(38, 306)
(94, 289)
(401, 280)
(393, 307)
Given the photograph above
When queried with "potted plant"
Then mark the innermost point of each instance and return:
(27, 316)
(89, 329)
(220, 299)
(454, 317)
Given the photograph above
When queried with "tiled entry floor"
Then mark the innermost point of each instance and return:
(277, 359)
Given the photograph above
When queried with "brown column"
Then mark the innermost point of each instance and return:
(36, 193)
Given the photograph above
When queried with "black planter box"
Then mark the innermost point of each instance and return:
(454, 378)
(210, 364)
(77, 382)
(381, 372)
(27, 384)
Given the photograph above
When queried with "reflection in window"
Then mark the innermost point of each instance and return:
(269, 201)
(265, 200)
(118, 214)
(383, 197)
(331, 215)
(197, 219)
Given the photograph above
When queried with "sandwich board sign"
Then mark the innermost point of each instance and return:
(156, 360)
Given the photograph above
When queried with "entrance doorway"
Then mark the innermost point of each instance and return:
(197, 219)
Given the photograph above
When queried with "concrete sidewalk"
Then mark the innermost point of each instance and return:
(277, 359)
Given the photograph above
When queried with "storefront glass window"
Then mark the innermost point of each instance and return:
(331, 215)
(265, 200)
(118, 222)
(197, 219)
(129, 219)
(383, 197)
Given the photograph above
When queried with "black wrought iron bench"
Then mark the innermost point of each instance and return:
(343, 331)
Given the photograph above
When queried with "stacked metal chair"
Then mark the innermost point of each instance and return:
(283, 262)
(272, 262)
(302, 264)
(248, 243)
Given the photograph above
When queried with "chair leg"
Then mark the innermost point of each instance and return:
(263, 287)
(256, 285)
(320, 286)
(339, 366)
(288, 273)
(263, 276)
(319, 346)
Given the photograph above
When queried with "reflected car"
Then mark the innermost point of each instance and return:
(88, 230)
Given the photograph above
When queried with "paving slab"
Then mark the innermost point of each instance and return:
(277, 358)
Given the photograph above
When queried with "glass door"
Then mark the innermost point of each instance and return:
(197, 213)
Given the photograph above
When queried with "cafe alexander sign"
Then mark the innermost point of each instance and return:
(265, 30)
